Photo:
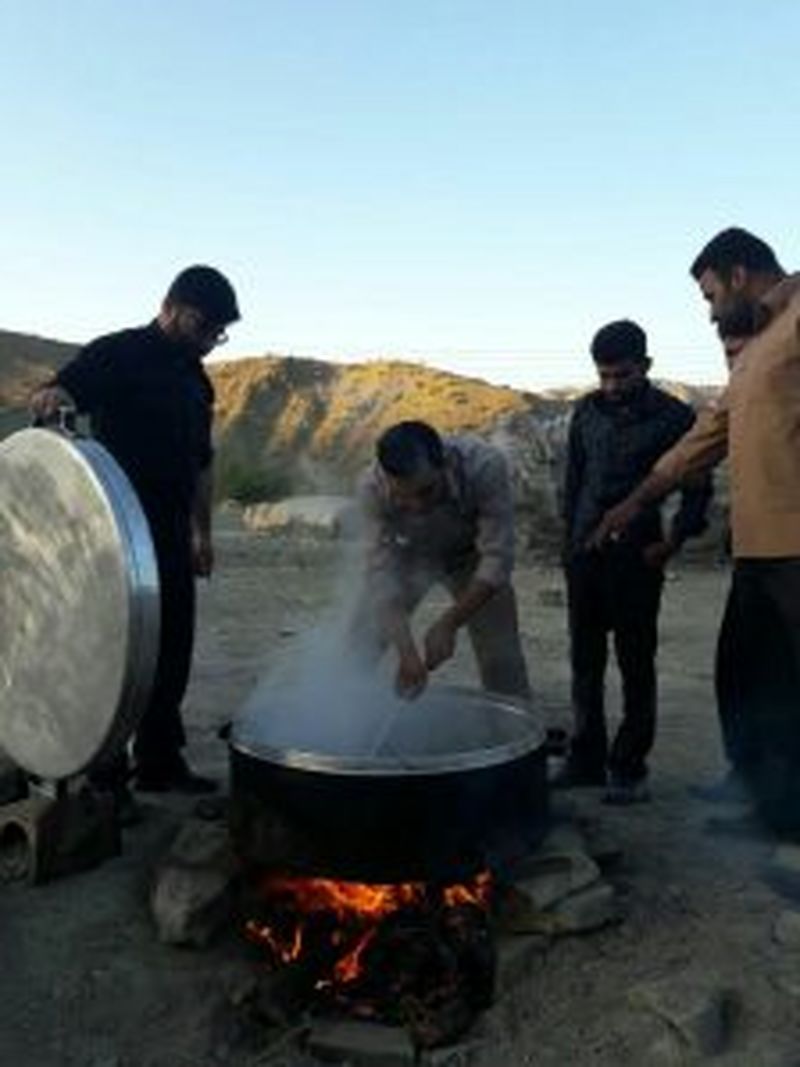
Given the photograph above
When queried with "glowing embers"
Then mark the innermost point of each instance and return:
(414, 954)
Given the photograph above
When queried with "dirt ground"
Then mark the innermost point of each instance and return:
(84, 982)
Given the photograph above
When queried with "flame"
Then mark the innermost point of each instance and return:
(348, 968)
(358, 907)
(283, 949)
(477, 892)
(344, 899)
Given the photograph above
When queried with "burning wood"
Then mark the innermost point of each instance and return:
(412, 954)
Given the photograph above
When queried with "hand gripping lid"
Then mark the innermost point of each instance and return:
(79, 603)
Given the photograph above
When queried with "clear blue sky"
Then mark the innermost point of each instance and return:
(478, 185)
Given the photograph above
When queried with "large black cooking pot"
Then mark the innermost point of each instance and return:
(435, 790)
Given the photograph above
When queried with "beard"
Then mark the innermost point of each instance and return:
(740, 317)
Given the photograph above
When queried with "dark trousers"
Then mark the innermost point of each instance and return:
(766, 677)
(613, 592)
(160, 734)
(727, 687)
(493, 629)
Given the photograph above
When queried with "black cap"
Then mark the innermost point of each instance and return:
(207, 290)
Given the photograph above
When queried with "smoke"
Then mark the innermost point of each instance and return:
(322, 696)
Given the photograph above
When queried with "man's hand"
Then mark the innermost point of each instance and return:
(440, 643)
(614, 523)
(658, 553)
(412, 676)
(202, 554)
(47, 402)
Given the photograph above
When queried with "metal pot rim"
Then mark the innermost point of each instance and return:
(395, 767)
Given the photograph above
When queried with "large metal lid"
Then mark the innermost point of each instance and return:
(79, 603)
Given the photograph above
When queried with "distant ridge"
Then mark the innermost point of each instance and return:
(288, 424)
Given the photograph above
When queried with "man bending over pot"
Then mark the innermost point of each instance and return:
(439, 510)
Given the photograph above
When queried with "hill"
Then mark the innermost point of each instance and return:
(286, 424)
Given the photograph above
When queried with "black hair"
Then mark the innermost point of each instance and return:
(619, 342)
(735, 247)
(207, 290)
(406, 447)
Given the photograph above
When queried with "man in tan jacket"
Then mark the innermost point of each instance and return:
(757, 424)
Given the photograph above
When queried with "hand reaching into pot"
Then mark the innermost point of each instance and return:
(412, 674)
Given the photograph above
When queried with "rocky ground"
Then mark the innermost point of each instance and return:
(706, 963)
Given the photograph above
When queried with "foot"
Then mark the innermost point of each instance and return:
(730, 789)
(624, 791)
(177, 779)
(573, 776)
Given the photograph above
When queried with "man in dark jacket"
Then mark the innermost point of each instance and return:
(616, 434)
(150, 403)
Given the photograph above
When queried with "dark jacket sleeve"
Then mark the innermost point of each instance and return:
(573, 473)
(691, 518)
(93, 375)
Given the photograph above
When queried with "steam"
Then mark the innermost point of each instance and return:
(321, 696)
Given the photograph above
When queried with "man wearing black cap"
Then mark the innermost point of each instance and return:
(150, 402)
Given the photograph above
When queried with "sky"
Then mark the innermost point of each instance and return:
(473, 185)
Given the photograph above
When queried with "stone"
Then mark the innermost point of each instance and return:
(323, 516)
(581, 912)
(191, 904)
(590, 909)
(697, 1008)
(559, 867)
(786, 930)
(44, 837)
(202, 843)
(361, 1044)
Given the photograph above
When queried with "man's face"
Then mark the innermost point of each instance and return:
(192, 328)
(418, 493)
(622, 380)
(725, 298)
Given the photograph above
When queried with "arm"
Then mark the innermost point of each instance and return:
(691, 517)
(84, 383)
(495, 546)
(385, 592)
(698, 451)
(572, 476)
(202, 543)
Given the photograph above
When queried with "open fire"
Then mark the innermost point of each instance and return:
(415, 954)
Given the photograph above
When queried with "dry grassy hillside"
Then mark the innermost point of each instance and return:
(25, 362)
(313, 423)
(287, 425)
